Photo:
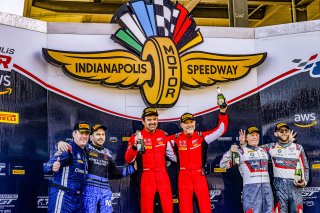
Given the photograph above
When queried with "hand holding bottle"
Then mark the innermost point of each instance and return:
(139, 143)
(221, 101)
(234, 154)
(137, 138)
(298, 177)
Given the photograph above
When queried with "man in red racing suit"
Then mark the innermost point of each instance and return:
(154, 176)
(192, 177)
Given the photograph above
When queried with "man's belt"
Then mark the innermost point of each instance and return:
(97, 178)
(188, 169)
(66, 189)
(154, 169)
(202, 171)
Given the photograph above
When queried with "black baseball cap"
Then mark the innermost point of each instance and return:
(82, 126)
(186, 116)
(252, 129)
(281, 124)
(96, 127)
(149, 111)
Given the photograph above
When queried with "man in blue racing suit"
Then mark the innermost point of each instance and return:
(101, 167)
(69, 170)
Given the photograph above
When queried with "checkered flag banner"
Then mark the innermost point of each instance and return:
(163, 12)
(140, 20)
(174, 18)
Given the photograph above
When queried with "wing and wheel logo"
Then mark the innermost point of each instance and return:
(157, 37)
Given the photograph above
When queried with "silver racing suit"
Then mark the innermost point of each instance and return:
(253, 166)
(286, 158)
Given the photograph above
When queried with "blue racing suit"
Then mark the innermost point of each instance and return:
(66, 190)
(97, 190)
(253, 166)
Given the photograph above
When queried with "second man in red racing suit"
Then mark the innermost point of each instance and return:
(154, 175)
(192, 177)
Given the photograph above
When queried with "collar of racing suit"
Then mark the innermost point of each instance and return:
(252, 147)
(284, 144)
(188, 135)
(149, 133)
(96, 147)
(75, 146)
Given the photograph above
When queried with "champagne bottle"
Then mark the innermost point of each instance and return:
(140, 144)
(235, 159)
(221, 99)
(298, 173)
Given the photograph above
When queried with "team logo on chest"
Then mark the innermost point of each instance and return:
(195, 143)
(262, 153)
(182, 145)
(160, 141)
(291, 149)
(148, 143)
(93, 154)
(79, 158)
(105, 157)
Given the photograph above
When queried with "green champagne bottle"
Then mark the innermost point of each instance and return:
(298, 173)
(235, 158)
(221, 99)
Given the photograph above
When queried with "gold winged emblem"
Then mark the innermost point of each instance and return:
(159, 73)
(206, 69)
(158, 62)
(112, 68)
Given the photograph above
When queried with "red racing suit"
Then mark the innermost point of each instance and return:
(192, 178)
(154, 176)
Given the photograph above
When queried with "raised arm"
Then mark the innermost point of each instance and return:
(218, 131)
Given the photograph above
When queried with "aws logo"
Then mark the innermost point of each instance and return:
(157, 37)
(305, 120)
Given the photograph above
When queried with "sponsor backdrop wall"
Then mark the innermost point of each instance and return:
(40, 102)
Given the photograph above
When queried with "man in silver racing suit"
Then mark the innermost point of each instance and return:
(253, 166)
(290, 169)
